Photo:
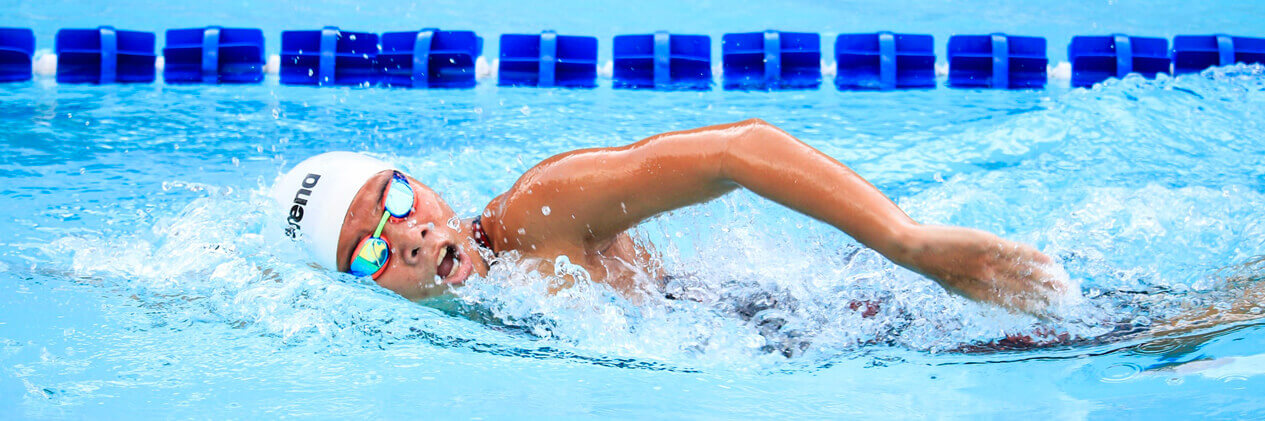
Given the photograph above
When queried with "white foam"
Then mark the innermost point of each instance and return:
(274, 65)
(45, 63)
(942, 69)
(482, 70)
(1061, 71)
(606, 70)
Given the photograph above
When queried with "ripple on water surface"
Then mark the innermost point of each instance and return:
(1149, 193)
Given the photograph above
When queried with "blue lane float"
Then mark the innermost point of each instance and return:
(17, 47)
(767, 60)
(214, 55)
(885, 60)
(998, 61)
(1098, 58)
(328, 57)
(105, 55)
(771, 60)
(662, 61)
(429, 58)
(547, 60)
(1194, 53)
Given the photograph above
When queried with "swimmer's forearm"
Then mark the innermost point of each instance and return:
(776, 165)
(971, 263)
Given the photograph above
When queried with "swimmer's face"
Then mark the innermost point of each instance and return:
(422, 244)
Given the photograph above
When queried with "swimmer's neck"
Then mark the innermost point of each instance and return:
(467, 232)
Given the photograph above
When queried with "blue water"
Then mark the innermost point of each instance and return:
(140, 276)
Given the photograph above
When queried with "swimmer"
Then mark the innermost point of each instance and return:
(360, 215)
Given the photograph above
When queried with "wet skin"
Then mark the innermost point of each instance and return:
(595, 195)
(419, 243)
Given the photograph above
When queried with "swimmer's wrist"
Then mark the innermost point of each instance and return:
(905, 244)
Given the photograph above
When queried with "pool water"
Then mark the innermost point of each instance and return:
(141, 273)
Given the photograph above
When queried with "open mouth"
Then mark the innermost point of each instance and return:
(447, 261)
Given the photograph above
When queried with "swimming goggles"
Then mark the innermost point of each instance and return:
(369, 258)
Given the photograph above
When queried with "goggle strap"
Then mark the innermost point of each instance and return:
(382, 224)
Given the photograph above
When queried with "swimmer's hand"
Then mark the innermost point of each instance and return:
(984, 267)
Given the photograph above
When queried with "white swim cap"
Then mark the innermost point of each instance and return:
(315, 195)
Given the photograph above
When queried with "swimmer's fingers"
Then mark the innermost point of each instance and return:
(1046, 287)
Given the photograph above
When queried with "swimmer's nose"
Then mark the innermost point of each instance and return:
(420, 244)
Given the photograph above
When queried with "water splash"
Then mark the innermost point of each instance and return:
(1147, 234)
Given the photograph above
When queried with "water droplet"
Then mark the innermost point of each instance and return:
(623, 207)
(352, 37)
(544, 210)
(454, 223)
(310, 72)
(521, 231)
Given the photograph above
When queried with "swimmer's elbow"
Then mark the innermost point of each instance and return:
(755, 121)
(744, 140)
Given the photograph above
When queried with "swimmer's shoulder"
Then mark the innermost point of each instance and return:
(518, 220)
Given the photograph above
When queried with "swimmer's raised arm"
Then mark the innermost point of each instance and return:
(587, 197)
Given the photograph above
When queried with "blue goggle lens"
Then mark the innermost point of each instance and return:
(399, 199)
